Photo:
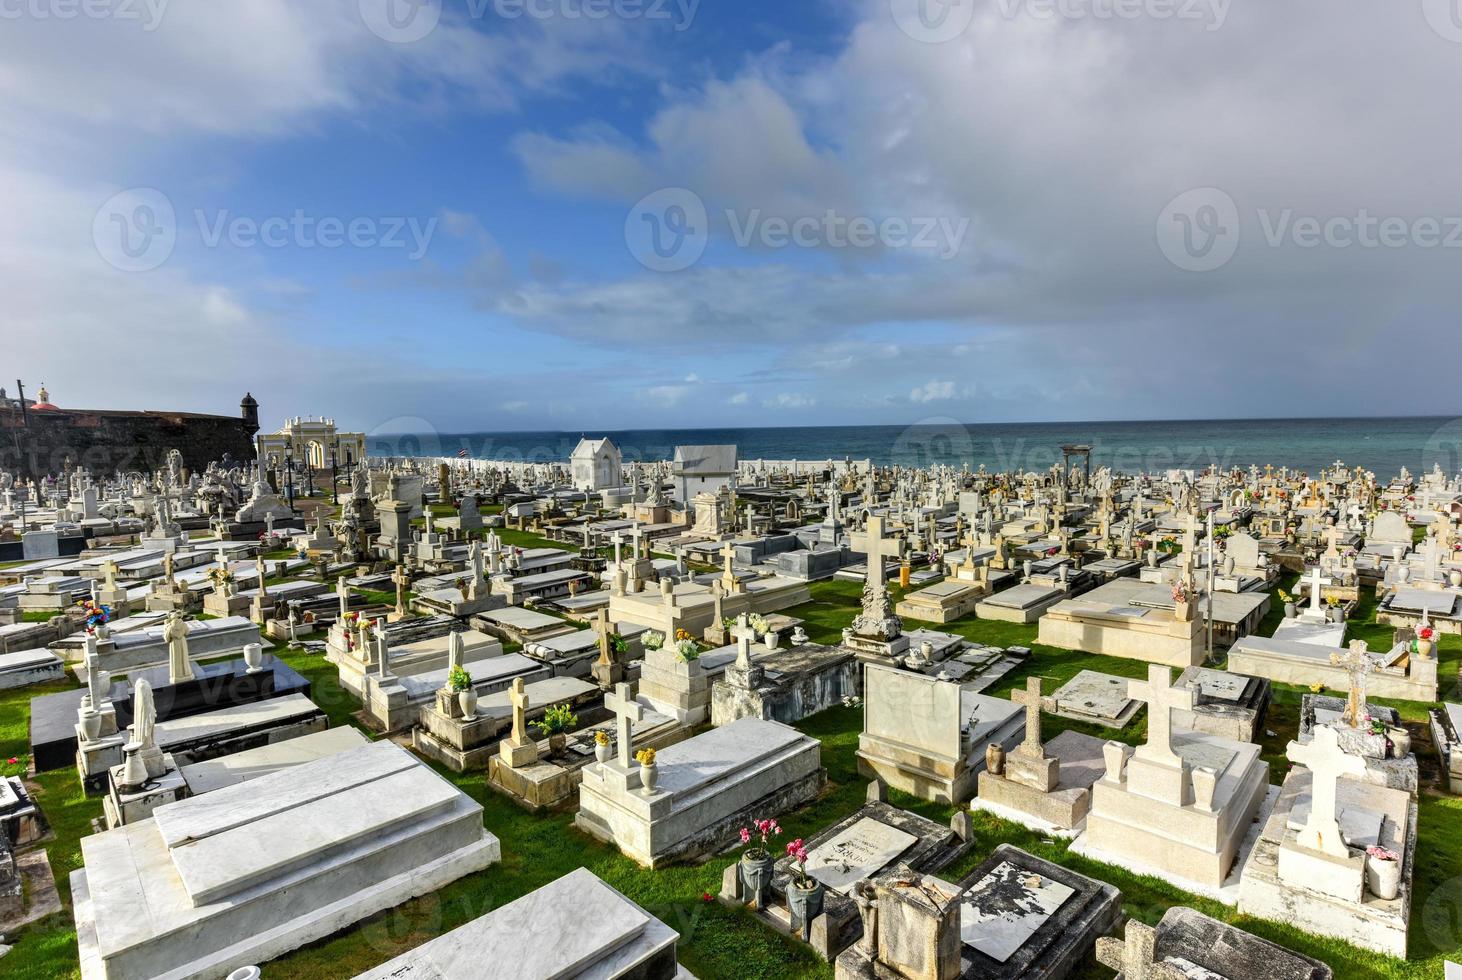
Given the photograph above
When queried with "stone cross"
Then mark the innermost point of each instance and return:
(95, 684)
(606, 659)
(1162, 699)
(1318, 581)
(109, 569)
(383, 649)
(1357, 664)
(744, 635)
(1327, 762)
(728, 577)
(402, 580)
(873, 543)
(454, 652)
(1134, 956)
(519, 697)
(344, 594)
(1030, 699)
(627, 711)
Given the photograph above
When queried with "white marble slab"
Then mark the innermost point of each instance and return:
(1000, 931)
(857, 854)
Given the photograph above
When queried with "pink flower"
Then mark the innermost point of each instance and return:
(11, 761)
(745, 836)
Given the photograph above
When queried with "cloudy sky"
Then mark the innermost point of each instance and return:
(570, 214)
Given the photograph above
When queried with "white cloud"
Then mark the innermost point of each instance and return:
(740, 398)
(932, 391)
(789, 400)
(664, 396)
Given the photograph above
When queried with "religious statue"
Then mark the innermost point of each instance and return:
(180, 666)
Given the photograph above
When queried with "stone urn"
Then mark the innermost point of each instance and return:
(254, 657)
(1424, 649)
(91, 724)
(772, 639)
(601, 751)
(1383, 877)
(467, 701)
(756, 878)
(1399, 740)
(1290, 612)
(1183, 611)
(649, 776)
(1456, 578)
(805, 904)
(246, 973)
(995, 759)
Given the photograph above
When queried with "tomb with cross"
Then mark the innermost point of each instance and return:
(607, 670)
(1357, 663)
(1134, 955)
(1029, 764)
(622, 770)
(877, 629)
(518, 749)
(1316, 580)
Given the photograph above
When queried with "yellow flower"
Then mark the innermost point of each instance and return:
(645, 757)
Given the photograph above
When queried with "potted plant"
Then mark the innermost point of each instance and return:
(687, 650)
(1383, 872)
(649, 775)
(1182, 603)
(653, 640)
(804, 892)
(1337, 614)
(461, 682)
(558, 721)
(1425, 642)
(1289, 608)
(601, 746)
(756, 861)
(618, 646)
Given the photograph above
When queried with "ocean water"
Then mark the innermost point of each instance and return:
(1383, 445)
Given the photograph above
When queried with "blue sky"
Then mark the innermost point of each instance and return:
(1068, 214)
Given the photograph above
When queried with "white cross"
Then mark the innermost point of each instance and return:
(1162, 699)
(871, 542)
(1318, 581)
(1327, 762)
(519, 697)
(744, 634)
(627, 711)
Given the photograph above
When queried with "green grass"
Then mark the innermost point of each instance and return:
(722, 943)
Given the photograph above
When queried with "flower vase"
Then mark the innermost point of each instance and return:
(1423, 649)
(1289, 610)
(1183, 611)
(1383, 878)
(805, 904)
(91, 724)
(601, 752)
(1456, 578)
(649, 775)
(467, 701)
(995, 759)
(756, 878)
(1400, 740)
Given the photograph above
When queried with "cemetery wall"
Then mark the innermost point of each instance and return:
(106, 441)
